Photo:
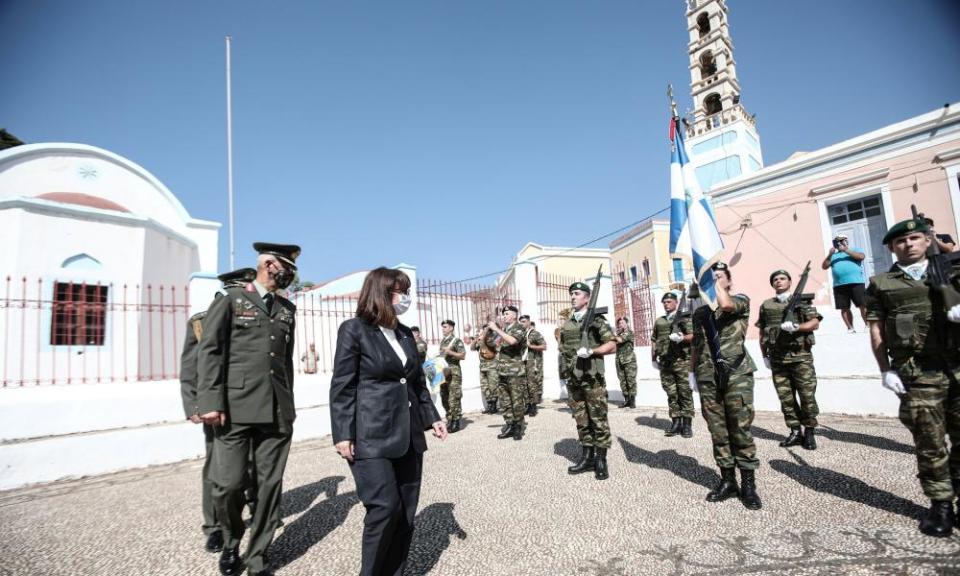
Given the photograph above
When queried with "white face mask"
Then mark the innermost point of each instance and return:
(403, 305)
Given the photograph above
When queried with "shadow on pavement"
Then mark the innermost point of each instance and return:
(841, 436)
(300, 498)
(846, 487)
(654, 422)
(431, 537)
(568, 448)
(314, 524)
(682, 466)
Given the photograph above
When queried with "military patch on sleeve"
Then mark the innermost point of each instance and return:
(197, 329)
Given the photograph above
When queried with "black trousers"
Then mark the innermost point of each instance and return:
(389, 489)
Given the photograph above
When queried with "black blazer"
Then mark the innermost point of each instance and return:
(375, 401)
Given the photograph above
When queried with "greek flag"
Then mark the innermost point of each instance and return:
(693, 226)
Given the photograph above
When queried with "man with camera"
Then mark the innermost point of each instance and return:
(846, 265)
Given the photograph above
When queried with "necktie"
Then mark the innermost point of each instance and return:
(268, 301)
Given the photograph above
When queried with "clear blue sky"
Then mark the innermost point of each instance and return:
(445, 134)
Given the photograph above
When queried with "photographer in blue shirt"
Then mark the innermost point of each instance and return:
(846, 264)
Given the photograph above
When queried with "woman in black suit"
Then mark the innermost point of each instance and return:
(379, 408)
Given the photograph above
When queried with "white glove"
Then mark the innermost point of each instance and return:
(655, 364)
(676, 337)
(953, 314)
(563, 382)
(693, 382)
(891, 381)
(790, 327)
(766, 362)
(584, 352)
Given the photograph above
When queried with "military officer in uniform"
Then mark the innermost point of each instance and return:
(486, 345)
(916, 342)
(582, 369)
(787, 352)
(510, 373)
(451, 393)
(421, 345)
(188, 393)
(723, 372)
(670, 349)
(626, 363)
(533, 363)
(245, 370)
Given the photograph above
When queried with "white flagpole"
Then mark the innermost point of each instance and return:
(230, 156)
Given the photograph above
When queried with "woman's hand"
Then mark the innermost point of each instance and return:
(440, 429)
(345, 449)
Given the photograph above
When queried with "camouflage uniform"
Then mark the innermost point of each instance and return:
(534, 367)
(451, 393)
(585, 382)
(674, 359)
(791, 362)
(511, 376)
(929, 366)
(488, 368)
(728, 412)
(627, 364)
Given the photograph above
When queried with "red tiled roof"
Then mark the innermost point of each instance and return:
(83, 200)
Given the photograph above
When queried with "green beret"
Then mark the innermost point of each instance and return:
(906, 227)
(668, 296)
(578, 286)
(777, 273)
(511, 308)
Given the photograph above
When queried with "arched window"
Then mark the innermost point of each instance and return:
(703, 24)
(712, 104)
(708, 64)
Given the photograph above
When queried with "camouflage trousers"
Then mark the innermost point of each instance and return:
(627, 374)
(931, 411)
(796, 384)
(534, 382)
(451, 394)
(588, 400)
(512, 391)
(489, 382)
(729, 415)
(674, 378)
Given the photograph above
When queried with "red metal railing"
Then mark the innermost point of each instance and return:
(469, 305)
(634, 300)
(552, 296)
(318, 319)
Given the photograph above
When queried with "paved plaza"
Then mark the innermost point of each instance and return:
(499, 507)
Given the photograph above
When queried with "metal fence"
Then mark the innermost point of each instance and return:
(552, 296)
(317, 321)
(469, 305)
(634, 300)
(57, 331)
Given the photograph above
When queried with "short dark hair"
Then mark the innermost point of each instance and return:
(376, 299)
(450, 323)
(624, 318)
(415, 329)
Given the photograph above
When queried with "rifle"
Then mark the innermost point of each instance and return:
(790, 312)
(592, 312)
(943, 278)
(683, 309)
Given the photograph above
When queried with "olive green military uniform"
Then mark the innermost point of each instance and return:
(421, 349)
(488, 367)
(928, 364)
(586, 384)
(728, 411)
(534, 367)
(451, 393)
(674, 360)
(627, 363)
(791, 362)
(511, 387)
(246, 370)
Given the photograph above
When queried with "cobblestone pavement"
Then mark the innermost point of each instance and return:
(492, 507)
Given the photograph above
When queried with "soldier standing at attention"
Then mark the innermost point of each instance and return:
(626, 363)
(246, 392)
(916, 343)
(451, 393)
(533, 364)
(486, 345)
(582, 368)
(670, 348)
(511, 388)
(786, 348)
(421, 345)
(723, 371)
(188, 393)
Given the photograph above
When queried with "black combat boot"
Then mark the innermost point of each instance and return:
(675, 427)
(626, 401)
(727, 486)
(633, 401)
(794, 439)
(600, 471)
(506, 432)
(809, 439)
(518, 431)
(533, 410)
(453, 426)
(585, 463)
(748, 490)
(214, 542)
(939, 519)
(686, 427)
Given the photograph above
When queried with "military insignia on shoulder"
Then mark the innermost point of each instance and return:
(742, 297)
(249, 287)
(197, 328)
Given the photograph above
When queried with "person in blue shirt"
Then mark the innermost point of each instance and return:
(846, 265)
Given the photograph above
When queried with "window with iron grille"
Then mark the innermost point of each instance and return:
(79, 315)
(840, 213)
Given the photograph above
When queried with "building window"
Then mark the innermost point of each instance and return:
(677, 270)
(79, 315)
(852, 211)
(712, 104)
(708, 65)
(646, 268)
(633, 274)
(703, 24)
